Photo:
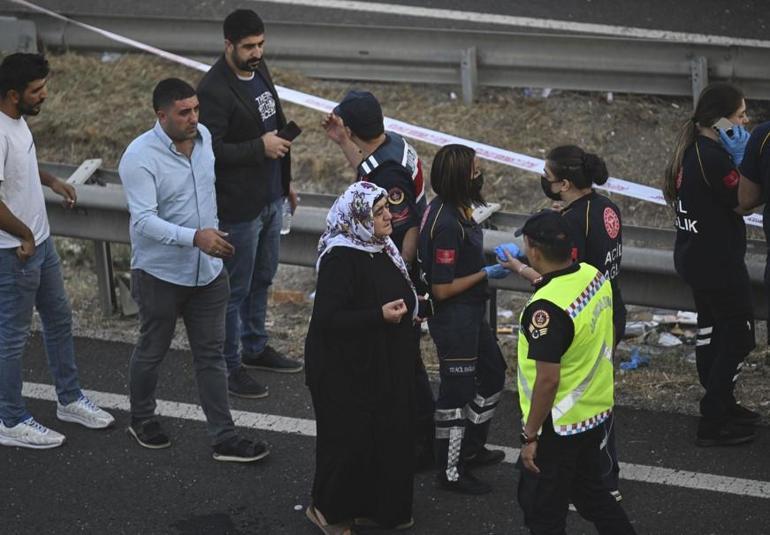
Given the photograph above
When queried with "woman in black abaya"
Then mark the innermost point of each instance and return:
(359, 357)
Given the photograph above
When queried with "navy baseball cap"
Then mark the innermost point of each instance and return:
(361, 112)
(547, 227)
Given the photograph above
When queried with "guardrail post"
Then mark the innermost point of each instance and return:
(699, 74)
(104, 276)
(469, 74)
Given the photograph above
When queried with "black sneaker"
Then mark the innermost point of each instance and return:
(149, 434)
(484, 457)
(241, 384)
(466, 484)
(728, 434)
(740, 415)
(240, 450)
(271, 360)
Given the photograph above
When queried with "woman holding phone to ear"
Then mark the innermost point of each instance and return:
(701, 185)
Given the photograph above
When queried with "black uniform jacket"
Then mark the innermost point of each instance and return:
(228, 111)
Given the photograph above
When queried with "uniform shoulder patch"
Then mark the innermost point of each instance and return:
(395, 196)
(445, 256)
(611, 223)
(540, 318)
(731, 179)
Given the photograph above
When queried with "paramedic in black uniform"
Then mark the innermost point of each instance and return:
(701, 184)
(754, 187)
(387, 160)
(471, 365)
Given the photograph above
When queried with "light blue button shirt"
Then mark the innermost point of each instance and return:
(170, 196)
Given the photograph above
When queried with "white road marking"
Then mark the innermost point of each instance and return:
(300, 426)
(524, 22)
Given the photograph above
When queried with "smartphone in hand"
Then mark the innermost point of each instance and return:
(290, 131)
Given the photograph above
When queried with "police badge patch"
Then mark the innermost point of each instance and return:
(395, 196)
(539, 325)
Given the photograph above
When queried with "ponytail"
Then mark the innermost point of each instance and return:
(583, 169)
(686, 137)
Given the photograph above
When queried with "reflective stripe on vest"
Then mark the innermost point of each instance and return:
(585, 394)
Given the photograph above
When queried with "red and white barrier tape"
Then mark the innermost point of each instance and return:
(433, 137)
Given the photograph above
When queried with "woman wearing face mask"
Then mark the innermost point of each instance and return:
(701, 185)
(471, 365)
(359, 359)
(597, 238)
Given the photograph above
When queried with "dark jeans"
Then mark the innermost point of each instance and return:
(251, 271)
(36, 283)
(203, 310)
(569, 472)
(725, 337)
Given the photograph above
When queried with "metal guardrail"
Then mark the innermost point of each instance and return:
(440, 56)
(648, 276)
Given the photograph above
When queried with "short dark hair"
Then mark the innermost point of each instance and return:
(169, 91)
(242, 23)
(450, 175)
(18, 70)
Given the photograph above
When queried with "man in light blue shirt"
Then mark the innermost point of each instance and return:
(176, 267)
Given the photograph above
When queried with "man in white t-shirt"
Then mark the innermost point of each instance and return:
(30, 271)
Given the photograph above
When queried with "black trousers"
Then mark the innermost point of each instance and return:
(472, 372)
(203, 310)
(725, 337)
(569, 472)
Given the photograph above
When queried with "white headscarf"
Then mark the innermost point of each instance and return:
(350, 223)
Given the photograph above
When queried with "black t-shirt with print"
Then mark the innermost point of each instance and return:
(756, 167)
(265, 104)
(547, 328)
(451, 246)
(710, 238)
(597, 237)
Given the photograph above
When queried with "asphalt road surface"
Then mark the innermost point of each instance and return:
(101, 482)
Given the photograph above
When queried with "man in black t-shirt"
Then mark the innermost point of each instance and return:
(241, 108)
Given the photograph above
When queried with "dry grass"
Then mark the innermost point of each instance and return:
(96, 108)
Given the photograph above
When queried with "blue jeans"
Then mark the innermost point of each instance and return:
(251, 272)
(24, 285)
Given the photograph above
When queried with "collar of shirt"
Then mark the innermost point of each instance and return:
(548, 277)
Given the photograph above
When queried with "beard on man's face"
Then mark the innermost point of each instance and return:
(30, 109)
(248, 65)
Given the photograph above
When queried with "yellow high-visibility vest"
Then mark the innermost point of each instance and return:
(585, 395)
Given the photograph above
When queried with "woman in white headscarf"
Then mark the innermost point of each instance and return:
(359, 359)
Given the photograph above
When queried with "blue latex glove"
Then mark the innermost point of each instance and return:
(735, 145)
(496, 271)
(512, 248)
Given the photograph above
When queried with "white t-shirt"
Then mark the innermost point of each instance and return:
(20, 187)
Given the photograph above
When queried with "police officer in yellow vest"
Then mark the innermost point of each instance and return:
(565, 381)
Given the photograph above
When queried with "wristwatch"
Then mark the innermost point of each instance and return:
(526, 439)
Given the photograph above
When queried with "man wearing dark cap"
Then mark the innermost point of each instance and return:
(384, 158)
(241, 109)
(565, 383)
(387, 160)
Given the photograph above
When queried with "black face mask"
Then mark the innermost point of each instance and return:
(546, 185)
(477, 183)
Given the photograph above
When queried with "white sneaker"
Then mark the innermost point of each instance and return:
(30, 434)
(84, 412)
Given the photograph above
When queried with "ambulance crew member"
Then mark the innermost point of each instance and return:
(471, 365)
(597, 238)
(754, 187)
(701, 184)
(388, 161)
(565, 382)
